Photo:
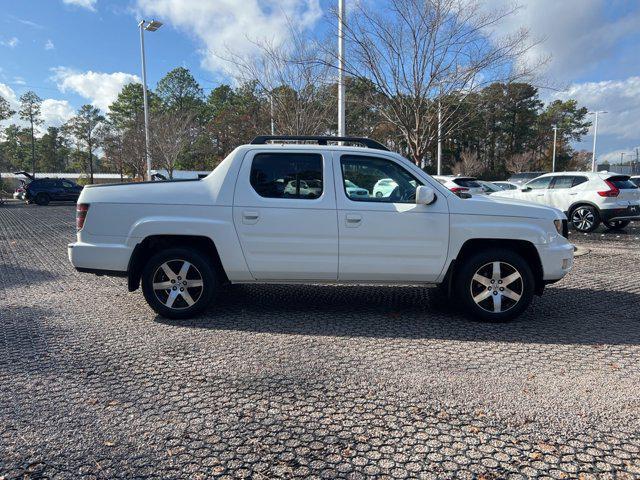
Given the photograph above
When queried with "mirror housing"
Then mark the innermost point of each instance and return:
(526, 189)
(425, 195)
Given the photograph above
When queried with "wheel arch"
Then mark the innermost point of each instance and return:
(581, 203)
(524, 248)
(155, 243)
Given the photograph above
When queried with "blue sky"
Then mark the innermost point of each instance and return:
(82, 51)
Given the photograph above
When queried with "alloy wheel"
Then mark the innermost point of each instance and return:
(497, 287)
(177, 284)
(583, 218)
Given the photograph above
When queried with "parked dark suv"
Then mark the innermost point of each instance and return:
(44, 190)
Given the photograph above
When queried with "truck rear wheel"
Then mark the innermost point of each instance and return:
(179, 283)
(495, 285)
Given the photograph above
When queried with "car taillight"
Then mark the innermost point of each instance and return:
(613, 192)
(81, 215)
(459, 189)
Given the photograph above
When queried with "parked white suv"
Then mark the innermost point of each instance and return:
(243, 224)
(587, 198)
(460, 184)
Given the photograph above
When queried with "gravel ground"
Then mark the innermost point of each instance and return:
(312, 381)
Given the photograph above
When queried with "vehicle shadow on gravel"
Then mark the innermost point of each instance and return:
(13, 276)
(561, 316)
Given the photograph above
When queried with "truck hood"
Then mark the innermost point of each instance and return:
(505, 207)
(176, 192)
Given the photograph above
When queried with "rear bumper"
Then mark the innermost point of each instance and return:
(632, 212)
(99, 258)
(556, 259)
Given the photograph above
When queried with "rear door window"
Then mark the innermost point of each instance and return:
(560, 182)
(287, 175)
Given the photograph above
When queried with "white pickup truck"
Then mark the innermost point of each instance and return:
(288, 213)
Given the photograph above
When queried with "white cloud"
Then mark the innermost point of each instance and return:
(19, 81)
(620, 98)
(101, 89)
(49, 45)
(56, 112)
(11, 43)
(578, 35)
(88, 4)
(233, 25)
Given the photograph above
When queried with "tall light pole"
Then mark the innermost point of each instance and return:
(555, 136)
(595, 137)
(439, 139)
(341, 91)
(152, 26)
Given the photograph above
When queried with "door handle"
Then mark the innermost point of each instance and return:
(539, 194)
(353, 220)
(573, 193)
(250, 217)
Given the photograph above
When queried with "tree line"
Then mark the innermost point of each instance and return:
(408, 64)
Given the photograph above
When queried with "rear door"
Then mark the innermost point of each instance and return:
(561, 193)
(287, 230)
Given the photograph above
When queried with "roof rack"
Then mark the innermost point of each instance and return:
(322, 140)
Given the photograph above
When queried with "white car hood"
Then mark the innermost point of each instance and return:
(504, 206)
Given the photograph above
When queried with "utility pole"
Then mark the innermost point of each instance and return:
(439, 138)
(595, 137)
(341, 89)
(273, 126)
(553, 161)
(151, 27)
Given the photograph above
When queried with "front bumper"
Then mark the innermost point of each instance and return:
(100, 257)
(631, 212)
(556, 259)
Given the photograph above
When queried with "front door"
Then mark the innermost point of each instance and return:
(284, 211)
(385, 236)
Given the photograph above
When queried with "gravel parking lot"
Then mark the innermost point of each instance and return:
(312, 381)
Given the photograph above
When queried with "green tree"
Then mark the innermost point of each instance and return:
(179, 91)
(30, 106)
(53, 153)
(5, 112)
(85, 129)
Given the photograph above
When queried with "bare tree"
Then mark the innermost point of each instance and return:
(417, 52)
(293, 82)
(469, 164)
(172, 132)
(521, 162)
(113, 146)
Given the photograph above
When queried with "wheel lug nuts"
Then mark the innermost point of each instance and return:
(495, 292)
(499, 281)
(181, 289)
(501, 289)
(184, 283)
(174, 288)
(173, 281)
(493, 281)
(179, 278)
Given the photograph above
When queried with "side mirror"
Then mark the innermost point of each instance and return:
(526, 189)
(425, 195)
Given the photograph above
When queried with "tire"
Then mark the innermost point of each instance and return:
(170, 302)
(483, 299)
(42, 199)
(616, 224)
(585, 218)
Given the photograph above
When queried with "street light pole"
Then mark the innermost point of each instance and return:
(595, 137)
(439, 138)
(152, 27)
(341, 89)
(553, 161)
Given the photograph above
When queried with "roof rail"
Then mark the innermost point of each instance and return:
(322, 140)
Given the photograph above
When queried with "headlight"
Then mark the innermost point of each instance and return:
(558, 224)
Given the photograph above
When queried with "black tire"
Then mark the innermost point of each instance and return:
(584, 218)
(175, 258)
(42, 199)
(616, 224)
(466, 287)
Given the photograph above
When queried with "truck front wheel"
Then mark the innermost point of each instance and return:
(495, 285)
(179, 283)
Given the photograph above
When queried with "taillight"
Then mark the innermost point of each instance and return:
(459, 189)
(612, 192)
(81, 215)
